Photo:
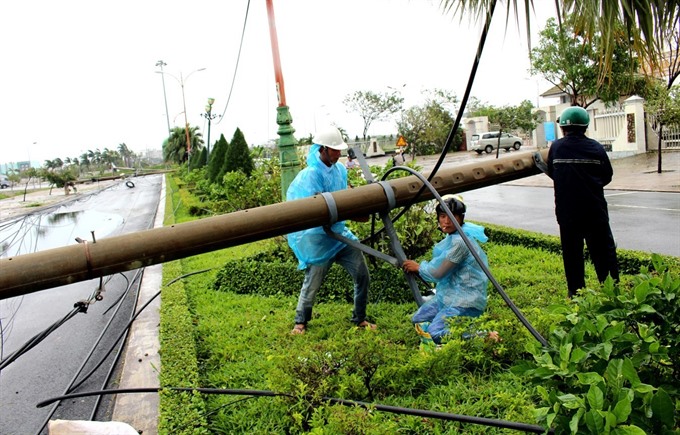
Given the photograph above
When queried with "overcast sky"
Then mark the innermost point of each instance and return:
(79, 75)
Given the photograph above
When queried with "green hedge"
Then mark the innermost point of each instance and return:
(282, 278)
(270, 274)
(180, 412)
(630, 262)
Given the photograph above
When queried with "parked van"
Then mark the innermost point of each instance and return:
(488, 142)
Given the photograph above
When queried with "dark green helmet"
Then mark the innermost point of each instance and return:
(574, 116)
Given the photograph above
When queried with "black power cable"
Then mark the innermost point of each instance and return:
(496, 284)
(491, 422)
(459, 115)
(238, 58)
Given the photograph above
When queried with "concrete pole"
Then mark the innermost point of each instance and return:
(66, 265)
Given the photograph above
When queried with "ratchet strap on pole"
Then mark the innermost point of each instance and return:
(387, 222)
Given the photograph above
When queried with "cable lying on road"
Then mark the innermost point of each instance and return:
(491, 422)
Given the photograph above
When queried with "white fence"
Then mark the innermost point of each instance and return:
(671, 134)
(607, 125)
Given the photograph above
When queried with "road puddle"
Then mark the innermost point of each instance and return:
(36, 233)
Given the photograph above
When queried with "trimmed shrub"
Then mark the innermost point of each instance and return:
(630, 262)
(282, 278)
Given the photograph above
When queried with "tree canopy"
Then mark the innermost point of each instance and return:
(569, 61)
(238, 156)
(372, 106)
(175, 146)
(636, 21)
(216, 161)
(426, 127)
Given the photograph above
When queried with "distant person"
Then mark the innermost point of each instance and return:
(580, 168)
(460, 280)
(68, 186)
(399, 159)
(351, 162)
(314, 249)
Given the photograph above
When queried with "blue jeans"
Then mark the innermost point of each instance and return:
(430, 312)
(354, 263)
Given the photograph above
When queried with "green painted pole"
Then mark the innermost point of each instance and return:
(290, 165)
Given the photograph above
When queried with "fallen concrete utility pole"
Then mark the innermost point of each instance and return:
(30, 273)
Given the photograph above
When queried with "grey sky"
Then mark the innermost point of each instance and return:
(79, 75)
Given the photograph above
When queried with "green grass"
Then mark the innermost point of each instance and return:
(244, 342)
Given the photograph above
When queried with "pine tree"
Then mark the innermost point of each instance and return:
(217, 157)
(202, 158)
(238, 156)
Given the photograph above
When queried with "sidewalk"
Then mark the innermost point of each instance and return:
(632, 173)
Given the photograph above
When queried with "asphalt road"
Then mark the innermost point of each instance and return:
(644, 206)
(640, 220)
(48, 369)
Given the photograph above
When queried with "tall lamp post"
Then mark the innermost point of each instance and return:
(290, 165)
(181, 81)
(161, 64)
(209, 116)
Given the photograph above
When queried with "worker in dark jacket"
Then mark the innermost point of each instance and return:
(580, 168)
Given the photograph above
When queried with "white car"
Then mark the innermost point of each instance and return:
(489, 142)
(4, 182)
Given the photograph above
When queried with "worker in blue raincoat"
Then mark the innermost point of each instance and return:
(314, 249)
(460, 280)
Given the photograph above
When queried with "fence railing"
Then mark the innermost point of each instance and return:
(607, 125)
(670, 133)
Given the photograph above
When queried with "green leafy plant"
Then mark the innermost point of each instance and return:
(612, 362)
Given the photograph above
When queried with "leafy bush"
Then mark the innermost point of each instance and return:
(282, 278)
(236, 191)
(612, 362)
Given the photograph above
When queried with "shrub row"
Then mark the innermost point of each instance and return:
(180, 412)
(630, 262)
(275, 273)
(281, 278)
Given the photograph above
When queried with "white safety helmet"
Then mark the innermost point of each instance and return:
(330, 137)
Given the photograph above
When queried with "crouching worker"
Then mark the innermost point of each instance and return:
(317, 251)
(460, 280)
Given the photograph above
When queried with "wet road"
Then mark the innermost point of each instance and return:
(644, 221)
(641, 218)
(49, 368)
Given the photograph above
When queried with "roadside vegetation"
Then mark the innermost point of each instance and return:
(611, 364)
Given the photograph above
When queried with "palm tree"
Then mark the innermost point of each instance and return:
(85, 161)
(174, 147)
(110, 156)
(125, 153)
(593, 17)
(49, 165)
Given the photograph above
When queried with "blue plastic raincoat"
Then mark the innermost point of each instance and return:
(464, 284)
(313, 246)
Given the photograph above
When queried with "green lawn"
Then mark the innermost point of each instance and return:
(244, 342)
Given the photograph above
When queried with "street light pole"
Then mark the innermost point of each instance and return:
(161, 64)
(290, 165)
(209, 116)
(181, 81)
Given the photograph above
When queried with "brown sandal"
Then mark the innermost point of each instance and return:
(299, 329)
